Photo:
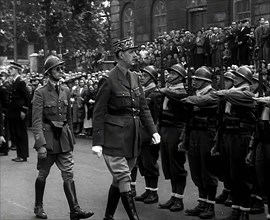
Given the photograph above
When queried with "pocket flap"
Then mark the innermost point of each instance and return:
(114, 120)
(122, 94)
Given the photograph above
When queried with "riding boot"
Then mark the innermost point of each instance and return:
(128, 202)
(76, 212)
(39, 188)
(113, 199)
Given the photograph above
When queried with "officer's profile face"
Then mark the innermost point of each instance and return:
(12, 71)
(128, 57)
(57, 72)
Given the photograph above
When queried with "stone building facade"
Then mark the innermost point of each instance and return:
(144, 20)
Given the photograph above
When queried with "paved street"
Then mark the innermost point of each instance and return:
(92, 181)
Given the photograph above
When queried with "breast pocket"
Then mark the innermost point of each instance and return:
(123, 99)
(50, 108)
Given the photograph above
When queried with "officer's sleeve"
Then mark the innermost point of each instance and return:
(37, 117)
(100, 108)
(26, 96)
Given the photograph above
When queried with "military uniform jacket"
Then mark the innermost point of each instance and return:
(48, 105)
(119, 109)
(19, 99)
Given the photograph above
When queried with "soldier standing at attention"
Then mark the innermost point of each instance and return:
(147, 160)
(239, 124)
(54, 139)
(172, 122)
(201, 140)
(120, 108)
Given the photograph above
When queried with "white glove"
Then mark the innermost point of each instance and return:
(156, 138)
(97, 150)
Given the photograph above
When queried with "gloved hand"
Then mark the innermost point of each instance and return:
(2, 140)
(156, 138)
(97, 150)
(42, 152)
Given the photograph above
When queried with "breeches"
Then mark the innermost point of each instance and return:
(64, 162)
(173, 161)
(147, 160)
(120, 168)
(199, 156)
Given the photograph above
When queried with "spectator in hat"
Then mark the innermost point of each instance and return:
(243, 42)
(19, 102)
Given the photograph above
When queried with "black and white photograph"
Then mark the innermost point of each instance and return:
(135, 109)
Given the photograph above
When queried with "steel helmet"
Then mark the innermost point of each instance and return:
(179, 69)
(152, 71)
(229, 75)
(51, 62)
(203, 73)
(245, 73)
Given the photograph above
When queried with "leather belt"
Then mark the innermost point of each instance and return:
(124, 112)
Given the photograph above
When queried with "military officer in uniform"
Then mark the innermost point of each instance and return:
(147, 160)
(120, 108)
(172, 122)
(19, 102)
(54, 139)
(201, 140)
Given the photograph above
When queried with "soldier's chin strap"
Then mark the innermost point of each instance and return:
(150, 80)
(173, 80)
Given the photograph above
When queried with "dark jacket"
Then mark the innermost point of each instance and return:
(119, 109)
(19, 99)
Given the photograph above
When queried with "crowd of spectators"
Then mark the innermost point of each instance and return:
(238, 44)
(216, 48)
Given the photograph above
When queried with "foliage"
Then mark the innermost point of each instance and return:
(83, 23)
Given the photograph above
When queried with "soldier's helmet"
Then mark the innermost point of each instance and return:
(152, 71)
(245, 73)
(203, 73)
(179, 69)
(229, 75)
(51, 62)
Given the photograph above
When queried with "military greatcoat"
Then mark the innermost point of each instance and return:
(119, 110)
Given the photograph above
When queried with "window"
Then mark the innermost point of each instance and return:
(242, 9)
(128, 22)
(159, 18)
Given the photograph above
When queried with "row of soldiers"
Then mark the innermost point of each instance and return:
(224, 134)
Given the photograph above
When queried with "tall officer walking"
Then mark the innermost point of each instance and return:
(54, 139)
(119, 109)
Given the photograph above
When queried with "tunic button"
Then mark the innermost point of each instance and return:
(59, 100)
(133, 100)
(59, 107)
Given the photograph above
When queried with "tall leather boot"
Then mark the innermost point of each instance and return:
(113, 199)
(128, 202)
(76, 212)
(39, 188)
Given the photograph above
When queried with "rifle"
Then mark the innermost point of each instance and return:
(184, 138)
(215, 151)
